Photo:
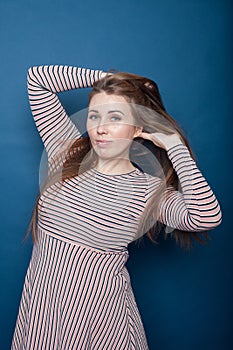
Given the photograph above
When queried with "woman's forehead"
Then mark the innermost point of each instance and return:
(104, 102)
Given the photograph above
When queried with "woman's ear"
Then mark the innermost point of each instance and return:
(138, 131)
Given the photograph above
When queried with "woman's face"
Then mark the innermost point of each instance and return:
(111, 126)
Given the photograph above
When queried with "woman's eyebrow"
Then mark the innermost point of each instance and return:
(93, 110)
(109, 112)
(116, 111)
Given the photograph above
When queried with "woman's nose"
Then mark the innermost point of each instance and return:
(102, 128)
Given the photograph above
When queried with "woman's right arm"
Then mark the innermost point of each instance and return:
(52, 121)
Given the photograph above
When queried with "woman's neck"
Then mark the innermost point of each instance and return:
(114, 166)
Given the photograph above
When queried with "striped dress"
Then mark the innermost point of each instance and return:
(77, 292)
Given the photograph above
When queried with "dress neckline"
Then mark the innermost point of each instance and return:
(135, 170)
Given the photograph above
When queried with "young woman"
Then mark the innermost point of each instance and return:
(97, 199)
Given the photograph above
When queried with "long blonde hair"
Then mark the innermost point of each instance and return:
(148, 109)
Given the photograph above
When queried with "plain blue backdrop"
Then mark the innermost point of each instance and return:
(185, 298)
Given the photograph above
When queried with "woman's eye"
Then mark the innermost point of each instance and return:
(93, 117)
(115, 118)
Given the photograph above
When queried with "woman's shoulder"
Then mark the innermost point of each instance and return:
(147, 175)
(146, 179)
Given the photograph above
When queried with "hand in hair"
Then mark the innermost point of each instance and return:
(161, 140)
(103, 74)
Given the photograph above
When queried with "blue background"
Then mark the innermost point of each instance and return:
(185, 298)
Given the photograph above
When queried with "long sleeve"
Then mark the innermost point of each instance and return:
(52, 121)
(195, 207)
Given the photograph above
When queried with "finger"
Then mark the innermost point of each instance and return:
(145, 135)
(152, 138)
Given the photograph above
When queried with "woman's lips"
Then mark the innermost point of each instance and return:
(103, 143)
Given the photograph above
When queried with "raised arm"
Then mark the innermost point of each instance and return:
(52, 121)
(195, 208)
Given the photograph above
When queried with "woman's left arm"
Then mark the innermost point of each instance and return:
(196, 208)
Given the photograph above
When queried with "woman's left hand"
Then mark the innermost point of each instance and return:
(161, 140)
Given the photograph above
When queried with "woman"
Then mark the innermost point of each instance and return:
(77, 292)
